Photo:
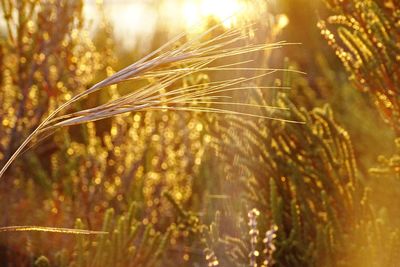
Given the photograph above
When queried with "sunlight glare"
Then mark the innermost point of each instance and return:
(195, 12)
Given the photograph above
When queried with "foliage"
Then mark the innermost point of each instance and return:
(366, 40)
(181, 188)
(130, 243)
(84, 170)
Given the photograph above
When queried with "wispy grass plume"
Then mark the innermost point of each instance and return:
(165, 67)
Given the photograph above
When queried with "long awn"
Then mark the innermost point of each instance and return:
(163, 67)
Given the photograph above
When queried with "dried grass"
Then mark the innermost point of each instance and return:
(163, 67)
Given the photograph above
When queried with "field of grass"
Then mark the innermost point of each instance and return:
(220, 133)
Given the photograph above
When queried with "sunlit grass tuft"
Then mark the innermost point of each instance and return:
(164, 67)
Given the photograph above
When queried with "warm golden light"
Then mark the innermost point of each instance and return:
(137, 20)
(195, 12)
(283, 21)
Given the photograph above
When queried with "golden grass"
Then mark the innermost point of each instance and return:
(49, 230)
(163, 67)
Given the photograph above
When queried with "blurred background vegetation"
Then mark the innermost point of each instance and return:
(192, 189)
